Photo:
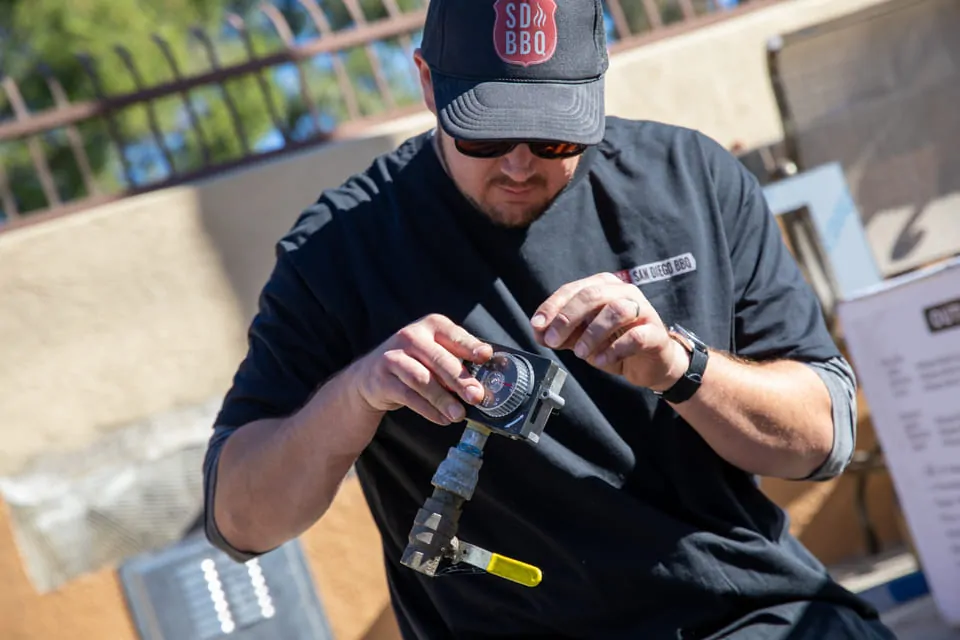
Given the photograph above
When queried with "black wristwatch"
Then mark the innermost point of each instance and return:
(687, 385)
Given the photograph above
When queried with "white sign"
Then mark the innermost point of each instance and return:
(823, 191)
(904, 341)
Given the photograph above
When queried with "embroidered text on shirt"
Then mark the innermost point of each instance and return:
(662, 270)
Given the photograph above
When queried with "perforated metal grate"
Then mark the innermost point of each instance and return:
(192, 591)
(136, 489)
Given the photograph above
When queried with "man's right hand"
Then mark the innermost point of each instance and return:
(420, 367)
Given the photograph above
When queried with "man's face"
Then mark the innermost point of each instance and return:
(512, 190)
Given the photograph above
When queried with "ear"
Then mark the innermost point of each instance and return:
(426, 82)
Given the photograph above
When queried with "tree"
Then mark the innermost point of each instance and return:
(40, 35)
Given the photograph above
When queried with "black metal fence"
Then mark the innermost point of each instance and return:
(279, 81)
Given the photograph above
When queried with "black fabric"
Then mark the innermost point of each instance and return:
(803, 620)
(470, 110)
(641, 530)
(460, 39)
(523, 69)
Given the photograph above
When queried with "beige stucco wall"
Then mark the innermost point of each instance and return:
(715, 79)
(111, 315)
(135, 308)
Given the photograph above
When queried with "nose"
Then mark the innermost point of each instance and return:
(518, 165)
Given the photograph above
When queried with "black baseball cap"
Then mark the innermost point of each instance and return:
(518, 69)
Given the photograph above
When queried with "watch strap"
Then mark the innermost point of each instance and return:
(690, 382)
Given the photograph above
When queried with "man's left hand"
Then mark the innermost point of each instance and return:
(610, 324)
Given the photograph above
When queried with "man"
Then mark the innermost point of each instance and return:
(615, 248)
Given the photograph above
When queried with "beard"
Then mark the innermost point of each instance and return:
(515, 215)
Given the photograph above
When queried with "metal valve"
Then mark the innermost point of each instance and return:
(522, 391)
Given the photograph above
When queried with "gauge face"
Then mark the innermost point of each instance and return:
(506, 381)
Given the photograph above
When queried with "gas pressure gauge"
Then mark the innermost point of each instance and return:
(520, 391)
(507, 380)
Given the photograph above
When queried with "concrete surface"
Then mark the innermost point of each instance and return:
(916, 619)
(919, 620)
(861, 574)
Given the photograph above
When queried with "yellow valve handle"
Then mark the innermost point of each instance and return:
(500, 566)
(514, 570)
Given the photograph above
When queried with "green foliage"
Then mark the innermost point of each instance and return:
(52, 32)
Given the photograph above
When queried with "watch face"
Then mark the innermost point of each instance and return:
(689, 338)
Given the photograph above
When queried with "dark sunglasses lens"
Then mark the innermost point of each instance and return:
(551, 150)
(484, 148)
(497, 148)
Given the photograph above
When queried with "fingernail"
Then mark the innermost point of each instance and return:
(580, 350)
(539, 320)
(474, 395)
(553, 338)
(455, 411)
(601, 360)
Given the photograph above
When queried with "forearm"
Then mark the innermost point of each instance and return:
(770, 419)
(276, 478)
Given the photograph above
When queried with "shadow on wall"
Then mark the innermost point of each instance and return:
(245, 213)
(877, 91)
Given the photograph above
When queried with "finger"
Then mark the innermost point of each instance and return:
(637, 339)
(579, 309)
(399, 394)
(577, 331)
(548, 310)
(616, 315)
(418, 404)
(460, 342)
(448, 369)
(415, 375)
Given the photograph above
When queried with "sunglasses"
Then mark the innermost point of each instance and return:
(548, 150)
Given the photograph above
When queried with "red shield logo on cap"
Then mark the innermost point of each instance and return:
(525, 31)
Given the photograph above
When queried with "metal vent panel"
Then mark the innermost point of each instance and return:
(193, 591)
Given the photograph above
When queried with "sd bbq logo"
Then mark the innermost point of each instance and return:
(525, 31)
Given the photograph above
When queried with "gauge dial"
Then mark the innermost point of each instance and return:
(507, 380)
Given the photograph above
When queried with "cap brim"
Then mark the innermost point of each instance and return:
(568, 112)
